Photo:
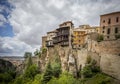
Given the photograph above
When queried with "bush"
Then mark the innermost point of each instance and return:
(31, 71)
(6, 77)
(117, 36)
(48, 74)
(100, 38)
(65, 78)
(53, 81)
(37, 79)
(99, 79)
(90, 68)
(18, 80)
(44, 50)
(94, 67)
(87, 71)
(56, 69)
(88, 61)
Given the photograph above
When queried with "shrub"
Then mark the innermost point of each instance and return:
(31, 71)
(18, 80)
(117, 36)
(37, 79)
(56, 69)
(88, 61)
(87, 71)
(100, 38)
(44, 50)
(53, 81)
(48, 74)
(67, 78)
(94, 67)
(5, 78)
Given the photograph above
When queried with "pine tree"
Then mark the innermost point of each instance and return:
(48, 74)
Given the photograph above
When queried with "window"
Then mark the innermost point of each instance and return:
(103, 21)
(103, 27)
(102, 31)
(109, 21)
(117, 19)
(116, 30)
(107, 36)
(108, 31)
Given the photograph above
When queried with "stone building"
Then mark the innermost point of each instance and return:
(82, 35)
(50, 36)
(63, 34)
(44, 39)
(110, 25)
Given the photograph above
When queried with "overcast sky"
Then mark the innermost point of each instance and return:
(24, 22)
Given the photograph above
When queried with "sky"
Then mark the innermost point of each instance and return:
(24, 22)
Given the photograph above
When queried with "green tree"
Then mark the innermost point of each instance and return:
(27, 54)
(48, 73)
(100, 38)
(31, 72)
(44, 50)
(56, 69)
(37, 53)
(28, 61)
(87, 71)
(66, 78)
(18, 80)
(56, 66)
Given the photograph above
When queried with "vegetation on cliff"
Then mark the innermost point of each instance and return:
(53, 74)
(7, 72)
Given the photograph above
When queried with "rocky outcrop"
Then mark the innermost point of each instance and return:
(6, 66)
(106, 53)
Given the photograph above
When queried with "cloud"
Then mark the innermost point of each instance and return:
(31, 19)
(2, 20)
(12, 46)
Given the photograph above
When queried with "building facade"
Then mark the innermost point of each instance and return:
(78, 39)
(63, 34)
(50, 36)
(82, 34)
(110, 25)
(44, 39)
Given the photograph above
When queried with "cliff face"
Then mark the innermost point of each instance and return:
(106, 53)
(109, 56)
(6, 66)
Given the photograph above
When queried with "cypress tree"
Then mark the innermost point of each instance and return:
(48, 74)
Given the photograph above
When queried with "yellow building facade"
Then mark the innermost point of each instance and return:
(78, 38)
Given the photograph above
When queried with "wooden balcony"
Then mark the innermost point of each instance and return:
(49, 43)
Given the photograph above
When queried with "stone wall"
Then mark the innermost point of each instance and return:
(107, 54)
